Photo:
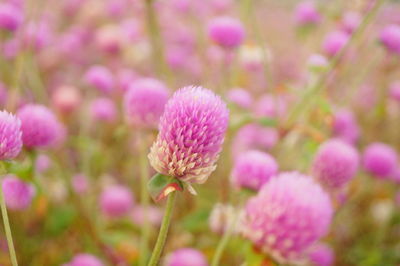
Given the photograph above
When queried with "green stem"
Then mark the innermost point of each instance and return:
(221, 246)
(7, 228)
(144, 200)
(162, 235)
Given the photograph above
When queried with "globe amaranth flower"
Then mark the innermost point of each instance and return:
(254, 137)
(145, 101)
(103, 109)
(10, 136)
(380, 159)
(307, 14)
(40, 127)
(290, 213)
(335, 163)
(191, 133)
(66, 99)
(240, 97)
(116, 201)
(252, 169)
(390, 38)
(11, 17)
(185, 257)
(345, 126)
(101, 78)
(226, 31)
(321, 255)
(334, 42)
(85, 259)
(17, 193)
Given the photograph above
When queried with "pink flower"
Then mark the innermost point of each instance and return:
(101, 78)
(186, 257)
(226, 31)
(290, 213)
(192, 131)
(390, 38)
(307, 14)
(85, 259)
(17, 193)
(103, 109)
(116, 201)
(334, 42)
(380, 159)
(10, 136)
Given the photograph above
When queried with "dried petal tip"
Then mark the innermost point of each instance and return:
(192, 131)
(10, 136)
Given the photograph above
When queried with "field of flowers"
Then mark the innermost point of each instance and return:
(200, 132)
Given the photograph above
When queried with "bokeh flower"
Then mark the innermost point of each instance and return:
(116, 201)
(390, 38)
(192, 131)
(103, 109)
(185, 257)
(17, 193)
(227, 32)
(85, 259)
(40, 127)
(321, 255)
(335, 163)
(101, 78)
(380, 159)
(144, 102)
(252, 169)
(10, 136)
(307, 14)
(290, 213)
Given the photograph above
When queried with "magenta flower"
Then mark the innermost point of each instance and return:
(85, 259)
(116, 201)
(345, 126)
(334, 42)
(240, 97)
(40, 127)
(290, 213)
(192, 131)
(335, 163)
(185, 257)
(270, 106)
(17, 193)
(226, 31)
(380, 159)
(252, 169)
(307, 14)
(254, 137)
(10, 136)
(351, 21)
(11, 17)
(321, 255)
(103, 109)
(145, 101)
(390, 38)
(101, 78)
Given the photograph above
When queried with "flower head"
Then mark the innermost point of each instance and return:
(345, 126)
(185, 257)
(85, 259)
(103, 109)
(17, 193)
(289, 214)
(11, 16)
(334, 42)
(390, 38)
(240, 97)
(145, 101)
(252, 169)
(192, 131)
(380, 159)
(40, 127)
(10, 136)
(335, 163)
(116, 201)
(101, 78)
(321, 255)
(226, 31)
(307, 14)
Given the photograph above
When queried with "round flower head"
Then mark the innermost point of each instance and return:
(240, 97)
(252, 169)
(350, 21)
(116, 201)
(43, 163)
(11, 17)
(145, 101)
(390, 38)
(335, 163)
(395, 91)
(321, 255)
(334, 42)
(40, 127)
(17, 193)
(10, 136)
(380, 159)
(226, 31)
(290, 213)
(254, 136)
(66, 99)
(103, 109)
(101, 78)
(154, 215)
(186, 257)
(307, 14)
(192, 131)
(85, 259)
(269, 106)
(345, 126)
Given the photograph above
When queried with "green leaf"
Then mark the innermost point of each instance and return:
(160, 186)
